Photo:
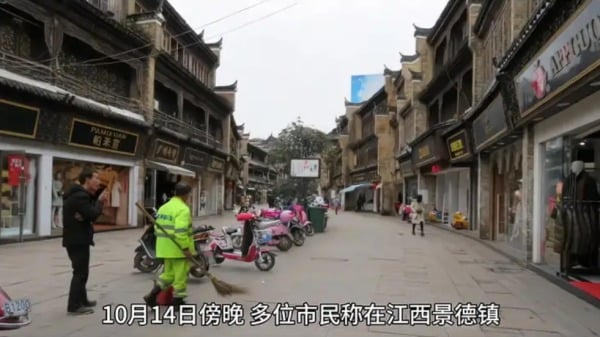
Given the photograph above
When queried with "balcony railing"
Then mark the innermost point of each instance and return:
(175, 124)
(43, 73)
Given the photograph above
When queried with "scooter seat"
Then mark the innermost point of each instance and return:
(202, 229)
(229, 230)
(267, 223)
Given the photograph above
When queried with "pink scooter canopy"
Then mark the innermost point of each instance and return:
(245, 216)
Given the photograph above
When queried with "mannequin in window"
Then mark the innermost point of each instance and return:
(516, 211)
(581, 218)
(57, 200)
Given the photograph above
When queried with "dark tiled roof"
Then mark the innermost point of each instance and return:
(388, 72)
(217, 44)
(420, 31)
(230, 87)
(409, 58)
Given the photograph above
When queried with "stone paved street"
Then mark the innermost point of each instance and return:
(361, 258)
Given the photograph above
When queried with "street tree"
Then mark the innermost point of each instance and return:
(297, 141)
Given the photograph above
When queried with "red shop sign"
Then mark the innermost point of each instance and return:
(16, 164)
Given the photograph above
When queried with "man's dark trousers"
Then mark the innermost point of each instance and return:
(80, 261)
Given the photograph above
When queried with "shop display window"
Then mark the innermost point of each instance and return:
(114, 178)
(572, 196)
(18, 187)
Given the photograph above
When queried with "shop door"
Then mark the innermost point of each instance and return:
(498, 208)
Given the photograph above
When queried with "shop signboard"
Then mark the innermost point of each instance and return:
(195, 158)
(572, 53)
(217, 164)
(165, 151)
(104, 138)
(458, 145)
(427, 151)
(406, 168)
(18, 120)
(490, 124)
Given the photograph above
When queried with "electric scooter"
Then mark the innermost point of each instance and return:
(145, 259)
(262, 257)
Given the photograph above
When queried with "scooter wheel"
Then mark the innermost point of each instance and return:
(236, 242)
(200, 271)
(310, 230)
(266, 263)
(284, 244)
(298, 236)
(145, 263)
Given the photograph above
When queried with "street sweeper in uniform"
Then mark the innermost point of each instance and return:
(175, 247)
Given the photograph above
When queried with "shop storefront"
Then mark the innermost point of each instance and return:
(163, 172)
(566, 195)
(361, 191)
(429, 158)
(501, 186)
(213, 187)
(198, 162)
(408, 179)
(461, 178)
(41, 157)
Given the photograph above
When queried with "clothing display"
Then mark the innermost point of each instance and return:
(577, 229)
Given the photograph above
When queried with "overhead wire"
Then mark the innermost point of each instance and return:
(192, 30)
(112, 56)
(78, 64)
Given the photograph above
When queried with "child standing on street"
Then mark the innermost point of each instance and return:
(417, 215)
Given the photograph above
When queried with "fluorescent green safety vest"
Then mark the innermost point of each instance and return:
(176, 219)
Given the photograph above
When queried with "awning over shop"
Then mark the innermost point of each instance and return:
(353, 188)
(171, 169)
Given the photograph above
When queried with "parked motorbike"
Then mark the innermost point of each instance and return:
(14, 314)
(302, 219)
(262, 257)
(279, 234)
(270, 213)
(296, 229)
(145, 258)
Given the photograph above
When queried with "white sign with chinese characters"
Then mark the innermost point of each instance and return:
(305, 168)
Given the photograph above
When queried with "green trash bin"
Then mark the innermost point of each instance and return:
(316, 215)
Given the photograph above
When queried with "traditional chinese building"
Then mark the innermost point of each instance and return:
(440, 153)
(371, 164)
(536, 127)
(124, 98)
(260, 176)
(63, 112)
(189, 117)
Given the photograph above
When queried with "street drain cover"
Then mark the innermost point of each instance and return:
(335, 259)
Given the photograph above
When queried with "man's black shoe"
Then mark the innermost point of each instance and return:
(81, 311)
(89, 304)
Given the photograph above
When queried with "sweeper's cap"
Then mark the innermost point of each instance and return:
(182, 189)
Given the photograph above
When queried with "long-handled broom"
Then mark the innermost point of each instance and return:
(223, 288)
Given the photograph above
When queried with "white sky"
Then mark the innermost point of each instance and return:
(299, 62)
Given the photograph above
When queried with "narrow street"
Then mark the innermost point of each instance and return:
(360, 258)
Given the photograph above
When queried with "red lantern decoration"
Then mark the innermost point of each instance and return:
(436, 168)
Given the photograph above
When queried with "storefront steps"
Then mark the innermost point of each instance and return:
(518, 258)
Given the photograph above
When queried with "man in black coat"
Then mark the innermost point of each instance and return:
(82, 206)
